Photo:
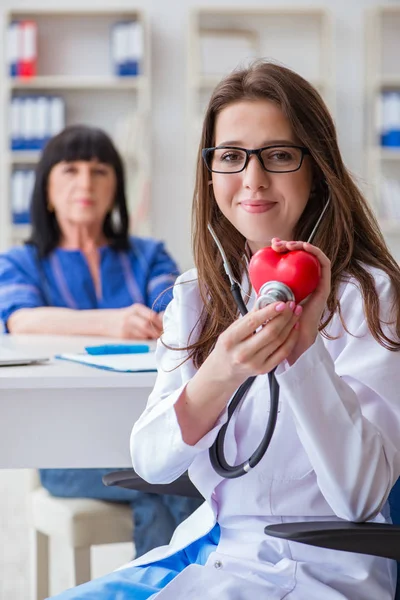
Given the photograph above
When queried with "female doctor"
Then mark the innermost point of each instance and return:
(270, 164)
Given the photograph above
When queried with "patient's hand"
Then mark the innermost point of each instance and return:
(137, 322)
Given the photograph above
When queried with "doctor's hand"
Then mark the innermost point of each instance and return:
(136, 322)
(255, 344)
(315, 304)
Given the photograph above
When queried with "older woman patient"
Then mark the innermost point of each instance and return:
(81, 273)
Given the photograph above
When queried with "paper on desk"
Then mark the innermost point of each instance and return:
(125, 363)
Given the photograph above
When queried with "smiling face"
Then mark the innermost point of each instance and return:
(81, 192)
(259, 204)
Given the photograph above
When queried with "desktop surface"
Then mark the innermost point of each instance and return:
(61, 414)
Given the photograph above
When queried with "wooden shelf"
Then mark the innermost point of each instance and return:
(382, 164)
(387, 82)
(78, 83)
(57, 11)
(75, 61)
(385, 153)
(389, 153)
(284, 11)
(24, 157)
(21, 232)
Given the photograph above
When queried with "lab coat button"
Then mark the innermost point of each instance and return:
(218, 564)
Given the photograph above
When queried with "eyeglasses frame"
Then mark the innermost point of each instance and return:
(257, 152)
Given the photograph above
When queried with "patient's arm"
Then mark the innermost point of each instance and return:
(134, 322)
(62, 321)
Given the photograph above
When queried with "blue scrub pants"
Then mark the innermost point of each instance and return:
(141, 583)
(155, 516)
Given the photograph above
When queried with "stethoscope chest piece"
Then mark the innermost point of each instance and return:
(273, 291)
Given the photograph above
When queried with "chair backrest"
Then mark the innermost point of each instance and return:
(394, 502)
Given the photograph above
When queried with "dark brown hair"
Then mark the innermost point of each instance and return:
(349, 234)
(77, 142)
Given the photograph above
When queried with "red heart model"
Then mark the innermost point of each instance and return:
(298, 269)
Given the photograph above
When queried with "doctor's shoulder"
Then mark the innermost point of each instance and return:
(186, 291)
(182, 315)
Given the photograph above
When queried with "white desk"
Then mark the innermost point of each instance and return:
(62, 414)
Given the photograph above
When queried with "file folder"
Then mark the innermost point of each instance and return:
(124, 363)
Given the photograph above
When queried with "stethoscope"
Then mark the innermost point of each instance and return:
(216, 452)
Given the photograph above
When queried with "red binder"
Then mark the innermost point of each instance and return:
(27, 63)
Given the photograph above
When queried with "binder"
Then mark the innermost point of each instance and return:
(119, 48)
(42, 109)
(135, 47)
(28, 125)
(16, 124)
(13, 46)
(22, 183)
(127, 48)
(29, 184)
(390, 119)
(56, 115)
(28, 57)
(17, 195)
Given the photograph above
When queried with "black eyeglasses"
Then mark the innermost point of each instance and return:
(275, 159)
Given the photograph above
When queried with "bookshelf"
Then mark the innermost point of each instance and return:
(74, 62)
(383, 115)
(251, 33)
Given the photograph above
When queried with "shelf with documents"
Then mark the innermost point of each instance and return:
(91, 67)
(79, 83)
(19, 234)
(388, 82)
(383, 115)
(24, 157)
(221, 39)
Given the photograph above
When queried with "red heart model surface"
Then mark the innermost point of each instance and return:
(298, 269)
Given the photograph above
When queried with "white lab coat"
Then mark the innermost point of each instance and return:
(334, 454)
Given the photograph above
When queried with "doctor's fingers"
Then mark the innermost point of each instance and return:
(243, 344)
(247, 325)
(280, 353)
(265, 342)
(324, 285)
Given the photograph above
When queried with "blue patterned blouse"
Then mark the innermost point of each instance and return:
(145, 274)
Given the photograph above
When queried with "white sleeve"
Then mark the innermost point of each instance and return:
(347, 410)
(158, 452)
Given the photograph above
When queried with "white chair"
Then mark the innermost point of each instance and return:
(80, 523)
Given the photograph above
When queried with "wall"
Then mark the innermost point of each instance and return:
(171, 193)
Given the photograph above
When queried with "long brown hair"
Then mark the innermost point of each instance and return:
(349, 234)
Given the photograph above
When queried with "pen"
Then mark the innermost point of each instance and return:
(118, 349)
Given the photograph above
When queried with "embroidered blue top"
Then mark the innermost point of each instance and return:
(144, 274)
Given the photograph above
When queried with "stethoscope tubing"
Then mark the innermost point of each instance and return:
(216, 452)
